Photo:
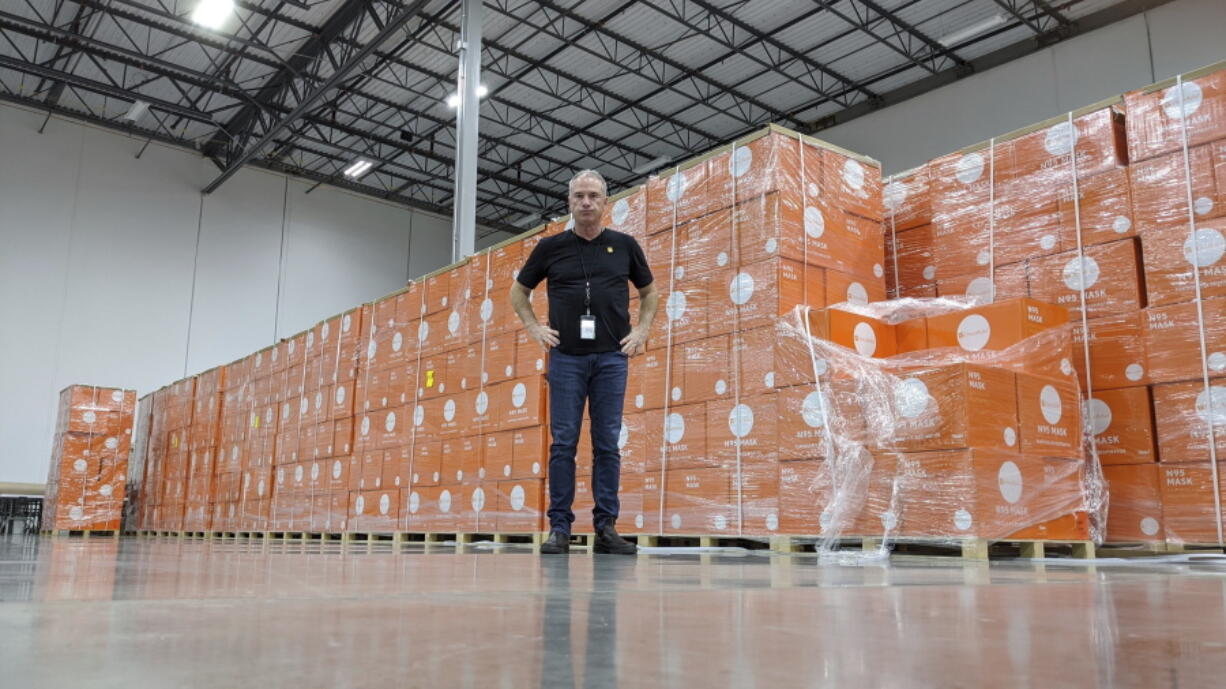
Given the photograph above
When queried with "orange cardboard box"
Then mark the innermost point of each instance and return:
(1010, 283)
(685, 312)
(462, 459)
(1188, 513)
(907, 199)
(677, 196)
(909, 256)
(521, 506)
(631, 443)
(804, 492)
(427, 419)
(1119, 356)
(994, 327)
(432, 376)
(530, 452)
(457, 417)
(755, 495)
(868, 336)
(381, 511)
(498, 455)
(1160, 189)
(955, 406)
(791, 225)
(427, 464)
(1135, 510)
(438, 291)
(640, 503)
(1172, 337)
(1159, 114)
(97, 422)
(396, 463)
(803, 415)
(698, 501)
(99, 399)
(650, 375)
(1110, 274)
(743, 432)
(500, 358)
(1105, 209)
(342, 438)
(1185, 414)
(841, 287)
(704, 370)
(530, 356)
(912, 335)
(696, 250)
(627, 213)
(1122, 422)
(1049, 415)
(681, 436)
(753, 295)
(1170, 276)
(522, 401)
(338, 473)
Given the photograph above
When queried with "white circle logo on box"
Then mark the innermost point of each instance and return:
(106, 490)
(336, 469)
(676, 394)
(721, 259)
(721, 386)
(259, 488)
(930, 272)
(983, 257)
(319, 400)
(1097, 416)
(304, 405)
(740, 290)
(856, 294)
(517, 497)
(324, 330)
(1121, 225)
(1217, 361)
(414, 502)
(878, 270)
(889, 521)
(365, 425)
(771, 245)
(679, 272)
(911, 397)
(453, 322)
(865, 339)
(1208, 250)
(519, 395)
(1216, 396)
(674, 428)
(389, 424)
(894, 194)
(444, 501)
(853, 174)
(963, 520)
(116, 396)
(974, 332)
(1134, 372)
(76, 513)
(638, 521)
(89, 417)
(1050, 404)
(1175, 107)
(419, 415)
(813, 410)
(397, 341)
(815, 222)
(621, 211)
(359, 505)
(970, 168)
(487, 309)
(80, 465)
(1009, 479)
(385, 503)
(676, 187)
(1149, 526)
(310, 339)
(1047, 242)
(623, 437)
(676, 521)
(740, 420)
(740, 162)
(483, 402)
(1203, 205)
(772, 521)
(423, 331)
(769, 379)
(1060, 139)
(340, 394)
(298, 473)
(449, 410)
(371, 349)
(1083, 278)
(675, 307)
(721, 522)
(111, 443)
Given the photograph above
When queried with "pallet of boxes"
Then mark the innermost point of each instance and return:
(89, 460)
(1130, 239)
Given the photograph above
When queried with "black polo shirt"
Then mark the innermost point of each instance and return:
(612, 259)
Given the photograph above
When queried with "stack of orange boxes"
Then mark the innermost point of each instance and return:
(910, 269)
(89, 460)
(203, 440)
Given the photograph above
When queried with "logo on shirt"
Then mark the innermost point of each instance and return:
(609, 249)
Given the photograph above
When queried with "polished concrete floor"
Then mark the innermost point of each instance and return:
(139, 613)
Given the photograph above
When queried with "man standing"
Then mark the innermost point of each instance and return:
(591, 340)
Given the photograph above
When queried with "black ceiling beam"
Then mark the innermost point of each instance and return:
(248, 152)
(1034, 21)
(864, 23)
(62, 52)
(314, 49)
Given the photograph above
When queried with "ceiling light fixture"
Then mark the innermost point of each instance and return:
(971, 31)
(359, 167)
(453, 100)
(211, 14)
(137, 111)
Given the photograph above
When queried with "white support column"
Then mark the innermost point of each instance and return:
(464, 223)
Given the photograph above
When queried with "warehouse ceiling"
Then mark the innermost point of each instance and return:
(309, 87)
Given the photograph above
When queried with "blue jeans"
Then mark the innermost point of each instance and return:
(600, 381)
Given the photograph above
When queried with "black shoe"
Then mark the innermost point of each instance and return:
(607, 541)
(558, 544)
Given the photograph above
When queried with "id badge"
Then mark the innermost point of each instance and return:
(587, 327)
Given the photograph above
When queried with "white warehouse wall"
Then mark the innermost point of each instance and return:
(1176, 37)
(116, 271)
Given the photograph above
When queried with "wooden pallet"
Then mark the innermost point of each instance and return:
(81, 533)
(967, 548)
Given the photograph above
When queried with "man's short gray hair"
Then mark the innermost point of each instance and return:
(604, 187)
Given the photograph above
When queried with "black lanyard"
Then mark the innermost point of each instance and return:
(587, 279)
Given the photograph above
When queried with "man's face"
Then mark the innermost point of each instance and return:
(587, 201)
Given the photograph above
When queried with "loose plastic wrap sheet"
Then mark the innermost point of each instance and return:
(89, 459)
